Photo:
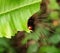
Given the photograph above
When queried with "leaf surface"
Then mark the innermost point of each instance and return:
(14, 15)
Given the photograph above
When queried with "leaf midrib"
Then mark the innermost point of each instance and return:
(19, 7)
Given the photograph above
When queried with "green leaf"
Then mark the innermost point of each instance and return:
(53, 5)
(58, 30)
(4, 42)
(54, 15)
(48, 49)
(55, 39)
(14, 15)
(32, 48)
(2, 49)
(5, 46)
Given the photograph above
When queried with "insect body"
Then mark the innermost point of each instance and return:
(31, 24)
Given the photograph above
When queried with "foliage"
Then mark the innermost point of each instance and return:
(48, 49)
(5, 46)
(14, 16)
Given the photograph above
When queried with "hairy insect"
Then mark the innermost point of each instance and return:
(42, 17)
(33, 20)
